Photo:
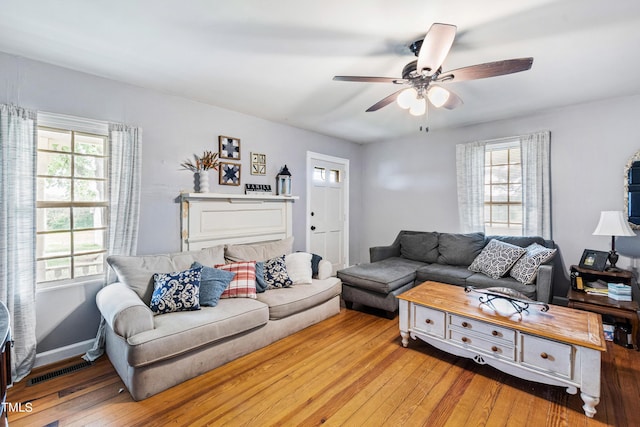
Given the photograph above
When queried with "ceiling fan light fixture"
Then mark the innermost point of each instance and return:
(419, 107)
(407, 98)
(438, 96)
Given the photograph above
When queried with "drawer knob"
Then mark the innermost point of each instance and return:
(495, 333)
(465, 325)
(465, 339)
(494, 348)
(544, 355)
(428, 321)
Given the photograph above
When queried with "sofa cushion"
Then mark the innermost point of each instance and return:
(525, 269)
(522, 241)
(258, 251)
(177, 291)
(181, 332)
(451, 274)
(299, 267)
(288, 301)
(459, 249)
(381, 276)
(213, 282)
(261, 286)
(275, 273)
(420, 246)
(243, 284)
(497, 258)
(137, 271)
(481, 280)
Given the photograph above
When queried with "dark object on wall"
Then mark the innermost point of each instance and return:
(594, 260)
(634, 193)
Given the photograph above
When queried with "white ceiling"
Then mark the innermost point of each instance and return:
(276, 59)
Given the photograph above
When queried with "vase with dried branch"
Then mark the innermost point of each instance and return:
(200, 166)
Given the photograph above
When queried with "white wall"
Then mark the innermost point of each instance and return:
(173, 129)
(411, 183)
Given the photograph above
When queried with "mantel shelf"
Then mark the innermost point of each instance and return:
(218, 196)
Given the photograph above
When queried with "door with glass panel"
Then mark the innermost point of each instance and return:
(327, 208)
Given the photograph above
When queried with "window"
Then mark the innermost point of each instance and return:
(503, 189)
(71, 205)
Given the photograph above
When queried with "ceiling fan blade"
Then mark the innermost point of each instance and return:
(384, 102)
(435, 47)
(489, 69)
(454, 101)
(369, 79)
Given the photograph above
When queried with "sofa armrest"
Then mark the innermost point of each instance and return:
(544, 283)
(378, 253)
(123, 310)
(325, 269)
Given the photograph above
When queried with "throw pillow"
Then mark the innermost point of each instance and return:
(243, 284)
(420, 246)
(497, 258)
(299, 268)
(213, 282)
(260, 285)
(275, 273)
(178, 291)
(315, 264)
(525, 269)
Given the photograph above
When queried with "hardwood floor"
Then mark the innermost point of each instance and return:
(348, 370)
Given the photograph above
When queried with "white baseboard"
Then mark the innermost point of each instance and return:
(58, 354)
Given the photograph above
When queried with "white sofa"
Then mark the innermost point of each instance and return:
(153, 353)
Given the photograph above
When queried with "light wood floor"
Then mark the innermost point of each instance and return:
(348, 370)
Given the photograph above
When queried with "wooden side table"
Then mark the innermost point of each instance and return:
(607, 306)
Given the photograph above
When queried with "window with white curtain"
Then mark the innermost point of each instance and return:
(504, 185)
(72, 200)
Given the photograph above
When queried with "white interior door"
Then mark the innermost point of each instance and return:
(327, 208)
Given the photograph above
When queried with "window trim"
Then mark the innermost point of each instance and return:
(82, 127)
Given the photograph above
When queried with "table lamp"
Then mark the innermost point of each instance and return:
(613, 223)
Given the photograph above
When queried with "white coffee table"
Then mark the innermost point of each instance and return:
(559, 347)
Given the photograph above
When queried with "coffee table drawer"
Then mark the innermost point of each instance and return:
(551, 356)
(496, 349)
(495, 332)
(429, 321)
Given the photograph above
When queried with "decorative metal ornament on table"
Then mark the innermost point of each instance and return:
(518, 301)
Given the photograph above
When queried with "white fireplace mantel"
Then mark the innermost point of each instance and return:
(210, 219)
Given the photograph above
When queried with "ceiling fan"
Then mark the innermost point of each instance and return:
(422, 74)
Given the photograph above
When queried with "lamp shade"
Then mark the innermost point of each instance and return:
(613, 223)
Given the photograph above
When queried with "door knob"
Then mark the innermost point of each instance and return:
(313, 227)
(313, 213)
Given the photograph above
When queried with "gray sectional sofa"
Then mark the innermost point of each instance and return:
(152, 353)
(416, 256)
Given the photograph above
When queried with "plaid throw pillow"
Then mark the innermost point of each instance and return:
(243, 284)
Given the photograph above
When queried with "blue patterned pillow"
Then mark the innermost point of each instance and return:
(275, 273)
(179, 291)
(212, 284)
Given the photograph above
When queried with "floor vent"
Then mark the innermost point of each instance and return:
(58, 373)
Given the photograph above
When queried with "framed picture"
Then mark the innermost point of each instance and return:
(229, 173)
(594, 260)
(229, 147)
(258, 164)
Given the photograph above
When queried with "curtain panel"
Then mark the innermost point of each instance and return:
(18, 145)
(470, 182)
(125, 145)
(536, 185)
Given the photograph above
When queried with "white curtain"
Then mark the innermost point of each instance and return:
(536, 192)
(18, 143)
(470, 173)
(125, 145)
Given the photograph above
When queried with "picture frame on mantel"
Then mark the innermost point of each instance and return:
(229, 173)
(229, 147)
